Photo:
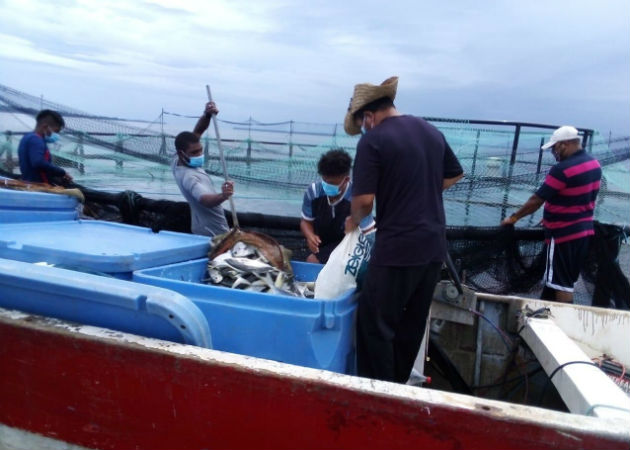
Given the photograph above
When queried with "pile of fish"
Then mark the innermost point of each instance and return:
(255, 262)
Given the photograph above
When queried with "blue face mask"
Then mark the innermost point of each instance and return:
(330, 189)
(54, 137)
(195, 161)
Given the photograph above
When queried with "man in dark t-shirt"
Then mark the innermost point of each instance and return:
(403, 163)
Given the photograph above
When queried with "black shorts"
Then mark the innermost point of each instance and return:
(564, 263)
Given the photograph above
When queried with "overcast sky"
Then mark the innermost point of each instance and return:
(558, 62)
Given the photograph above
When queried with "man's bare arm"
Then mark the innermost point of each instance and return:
(204, 121)
(531, 205)
(312, 240)
(210, 200)
(448, 182)
(360, 207)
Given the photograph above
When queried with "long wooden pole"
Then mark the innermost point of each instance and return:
(225, 173)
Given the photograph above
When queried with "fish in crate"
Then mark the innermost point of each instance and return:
(253, 261)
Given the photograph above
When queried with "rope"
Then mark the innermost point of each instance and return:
(556, 370)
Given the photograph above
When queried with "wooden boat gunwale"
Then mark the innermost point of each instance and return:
(272, 399)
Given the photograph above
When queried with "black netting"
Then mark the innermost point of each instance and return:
(498, 260)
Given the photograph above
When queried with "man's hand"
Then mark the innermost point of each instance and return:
(531, 206)
(313, 242)
(511, 220)
(211, 109)
(204, 121)
(350, 225)
(227, 189)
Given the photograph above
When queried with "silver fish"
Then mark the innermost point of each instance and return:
(249, 265)
(219, 261)
(306, 289)
(246, 267)
(240, 283)
(242, 250)
(215, 276)
(257, 286)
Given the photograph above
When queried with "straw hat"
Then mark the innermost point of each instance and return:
(365, 93)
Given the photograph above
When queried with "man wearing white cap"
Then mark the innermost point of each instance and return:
(404, 163)
(568, 193)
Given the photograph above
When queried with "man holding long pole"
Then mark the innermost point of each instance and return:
(207, 215)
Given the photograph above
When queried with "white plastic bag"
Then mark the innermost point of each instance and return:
(347, 261)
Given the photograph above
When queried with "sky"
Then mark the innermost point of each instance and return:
(553, 61)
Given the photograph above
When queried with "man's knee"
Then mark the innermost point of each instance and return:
(558, 295)
(564, 296)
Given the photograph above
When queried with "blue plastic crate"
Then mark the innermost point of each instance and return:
(98, 247)
(104, 302)
(23, 206)
(307, 332)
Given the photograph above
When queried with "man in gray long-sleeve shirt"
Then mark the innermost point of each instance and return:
(207, 216)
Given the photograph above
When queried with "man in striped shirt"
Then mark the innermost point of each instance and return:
(569, 194)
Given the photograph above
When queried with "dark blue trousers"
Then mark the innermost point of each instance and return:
(392, 311)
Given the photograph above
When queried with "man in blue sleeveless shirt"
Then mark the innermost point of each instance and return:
(326, 205)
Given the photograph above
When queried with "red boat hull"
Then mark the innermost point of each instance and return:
(107, 392)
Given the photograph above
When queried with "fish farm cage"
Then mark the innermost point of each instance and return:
(123, 168)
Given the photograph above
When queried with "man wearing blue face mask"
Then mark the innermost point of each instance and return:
(34, 154)
(207, 215)
(326, 205)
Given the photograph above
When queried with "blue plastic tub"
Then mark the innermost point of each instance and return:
(98, 247)
(307, 332)
(104, 302)
(22, 206)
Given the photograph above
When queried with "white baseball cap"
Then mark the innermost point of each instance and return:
(564, 133)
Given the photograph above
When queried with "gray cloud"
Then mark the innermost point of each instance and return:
(540, 61)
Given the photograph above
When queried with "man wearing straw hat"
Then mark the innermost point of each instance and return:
(207, 216)
(403, 163)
